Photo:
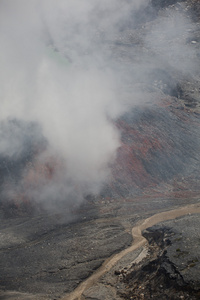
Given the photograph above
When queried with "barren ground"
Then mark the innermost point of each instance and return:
(49, 264)
(47, 255)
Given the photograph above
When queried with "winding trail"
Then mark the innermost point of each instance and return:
(138, 241)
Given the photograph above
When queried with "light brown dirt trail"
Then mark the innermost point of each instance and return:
(138, 241)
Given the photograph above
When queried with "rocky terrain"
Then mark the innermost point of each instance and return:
(147, 270)
(171, 268)
(46, 255)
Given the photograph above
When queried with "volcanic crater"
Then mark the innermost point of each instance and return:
(46, 254)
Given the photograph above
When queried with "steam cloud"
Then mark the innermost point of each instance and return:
(59, 91)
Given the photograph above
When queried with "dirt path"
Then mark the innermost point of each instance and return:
(138, 241)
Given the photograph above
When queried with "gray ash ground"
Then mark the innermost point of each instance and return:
(47, 258)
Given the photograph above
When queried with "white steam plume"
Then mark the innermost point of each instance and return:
(55, 71)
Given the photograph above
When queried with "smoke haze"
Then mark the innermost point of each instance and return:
(59, 75)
